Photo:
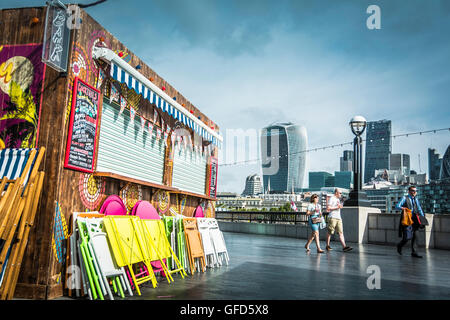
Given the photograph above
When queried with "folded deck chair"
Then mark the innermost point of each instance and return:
(169, 227)
(208, 246)
(218, 241)
(158, 247)
(194, 244)
(124, 238)
(181, 243)
(17, 167)
(102, 253)
(113, 205)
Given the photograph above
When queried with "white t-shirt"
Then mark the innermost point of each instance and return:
(314, 209)
(333, 202)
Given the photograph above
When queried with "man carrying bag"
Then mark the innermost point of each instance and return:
(412, 219)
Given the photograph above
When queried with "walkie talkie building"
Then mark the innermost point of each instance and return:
(283, 155)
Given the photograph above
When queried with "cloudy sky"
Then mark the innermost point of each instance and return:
(248, 63)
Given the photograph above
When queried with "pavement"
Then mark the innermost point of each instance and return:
(274, 268)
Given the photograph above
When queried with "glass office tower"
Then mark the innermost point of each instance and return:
(378, 147)
(283, 155)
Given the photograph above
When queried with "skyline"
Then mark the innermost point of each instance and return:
(249, 63)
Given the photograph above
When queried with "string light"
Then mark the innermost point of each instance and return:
(335, 145)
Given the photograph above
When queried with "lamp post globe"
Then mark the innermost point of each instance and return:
(357, 197)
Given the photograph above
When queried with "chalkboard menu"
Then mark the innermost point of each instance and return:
(212, 188)
(81, 138)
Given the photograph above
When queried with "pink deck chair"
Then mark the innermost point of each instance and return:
(113, 205)
(199, 212)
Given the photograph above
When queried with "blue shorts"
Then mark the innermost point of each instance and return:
(314, 226)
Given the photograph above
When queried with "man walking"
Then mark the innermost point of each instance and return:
(334, 221)
(409, 232)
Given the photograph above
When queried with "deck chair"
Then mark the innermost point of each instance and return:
(181, 243)
(169, 228)
(158, 247)
(218, 241)
(194, 245)
(127, 248)
(113, 205)
(20, 190)
(208, 246)
(102, 253)
(74, 282)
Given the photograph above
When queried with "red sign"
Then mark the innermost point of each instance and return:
(81, 139)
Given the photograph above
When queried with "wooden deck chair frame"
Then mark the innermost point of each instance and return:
(192, 235)
(28, 195)
(119, 251)
(150, 245)
(98, 239)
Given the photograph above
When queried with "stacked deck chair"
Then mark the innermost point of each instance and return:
(20, 188)
(155, 241)
(194, 245)
(208, 246)
(181, 243)
(124, 234)
(218, 241)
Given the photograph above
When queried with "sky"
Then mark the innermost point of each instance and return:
(249, 63)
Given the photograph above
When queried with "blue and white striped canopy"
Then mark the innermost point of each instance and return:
(117, 73)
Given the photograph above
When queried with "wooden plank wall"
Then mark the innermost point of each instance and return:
(42, 275)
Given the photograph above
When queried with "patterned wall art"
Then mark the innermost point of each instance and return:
(60, 234)
(131, 194)
(163, 201)
(98, 39)
(92, 191)
(21, 83)
(210, 210)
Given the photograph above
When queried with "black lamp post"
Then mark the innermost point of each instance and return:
(357, 197)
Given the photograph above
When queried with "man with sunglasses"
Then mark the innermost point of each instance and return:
(412, 203)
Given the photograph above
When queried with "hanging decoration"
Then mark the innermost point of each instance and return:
(132, 113)
(92, 190)
(150, 128)
(115, 95)
(166, 135)
(123, 104)
(162, 124)
(163, 201)
(131, 194)
(142, 122)
(155, 115)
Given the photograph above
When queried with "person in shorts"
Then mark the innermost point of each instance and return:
(334, 222)
(314, 211)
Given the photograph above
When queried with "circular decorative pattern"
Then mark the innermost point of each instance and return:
(163, 201)
(131, 194)
(210, 210)
(92, 190)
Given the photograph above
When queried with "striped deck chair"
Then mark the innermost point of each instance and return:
(13, 162)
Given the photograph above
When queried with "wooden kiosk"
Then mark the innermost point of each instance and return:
(110, 125)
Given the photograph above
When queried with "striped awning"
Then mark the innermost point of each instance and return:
(124, 73)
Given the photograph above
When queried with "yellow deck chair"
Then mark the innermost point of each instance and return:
(158, 247)
(125, 239)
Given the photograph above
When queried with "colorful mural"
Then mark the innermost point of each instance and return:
(21, 84)
(92, 191)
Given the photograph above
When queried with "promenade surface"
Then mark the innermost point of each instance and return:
(266, 267)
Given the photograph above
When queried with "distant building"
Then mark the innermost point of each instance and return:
(400, 162)
(318, 180)
(286, 172)
(253, 185)
(384, 195)
(445, 166)
(378, 147)
(434, 164)
(346, 161)
(435, 197)
(343, 179)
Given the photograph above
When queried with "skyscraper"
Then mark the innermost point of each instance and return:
(347, 161)
(252, 185)
(445, 166)
(378, 147)
(319, 180)
(401, 162)
(283, 147)
(434, 164)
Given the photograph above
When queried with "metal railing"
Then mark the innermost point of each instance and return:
(263, 217)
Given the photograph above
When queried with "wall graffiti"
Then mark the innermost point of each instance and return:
(21, 84)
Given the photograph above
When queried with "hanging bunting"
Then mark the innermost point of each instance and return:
(123, 104)
(168, 129)
(155, 116)
(185, 142)
(158, 133)
(162, 124)
(132, 113)
(166, 135)
(150, 128)
(114, 96)
(142, 122)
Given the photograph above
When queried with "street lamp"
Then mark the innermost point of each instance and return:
(357, 197)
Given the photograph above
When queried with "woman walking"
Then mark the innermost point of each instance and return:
(314, 212)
